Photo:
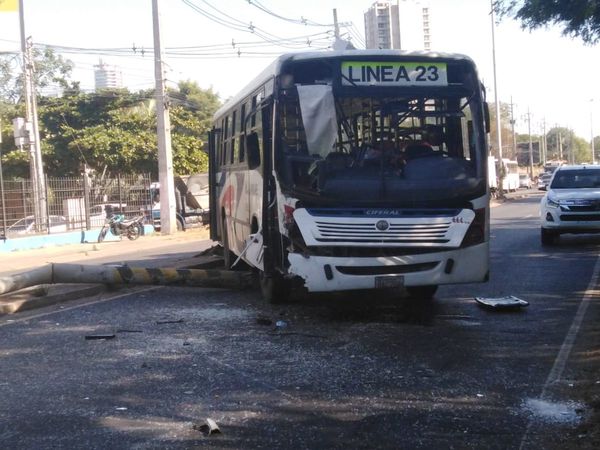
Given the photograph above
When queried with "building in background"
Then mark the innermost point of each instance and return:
(107, 76)
(400, 24)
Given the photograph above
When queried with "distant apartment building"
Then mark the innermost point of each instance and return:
(400, 24)
(107, 76)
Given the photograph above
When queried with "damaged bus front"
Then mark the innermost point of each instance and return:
(355, 170)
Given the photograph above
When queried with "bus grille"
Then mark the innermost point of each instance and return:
(424, 230)
(396, 233)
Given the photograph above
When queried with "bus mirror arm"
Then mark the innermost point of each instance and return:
(253, 149)
(486, 112)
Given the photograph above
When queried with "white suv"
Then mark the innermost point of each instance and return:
(571, 203)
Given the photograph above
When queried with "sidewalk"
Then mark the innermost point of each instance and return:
(154, 251)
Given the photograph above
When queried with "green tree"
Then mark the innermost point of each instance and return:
(115, 131)
(51, 71)
(578, 18)
(582, 151)
(564, 145)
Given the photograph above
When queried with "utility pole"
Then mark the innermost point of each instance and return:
(530, 144)
(338, 43)
(36, 168)
(545, 142)
(4, 224)
(163, 128)
(336, 26)
(497, 102)
(512, 124)
(560, 148)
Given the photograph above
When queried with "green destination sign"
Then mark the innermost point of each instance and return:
(386, 73)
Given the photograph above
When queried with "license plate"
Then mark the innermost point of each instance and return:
(390, 281)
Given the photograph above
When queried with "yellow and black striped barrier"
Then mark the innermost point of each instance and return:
(117, 275)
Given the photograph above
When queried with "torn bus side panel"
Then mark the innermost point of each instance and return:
(254, 250)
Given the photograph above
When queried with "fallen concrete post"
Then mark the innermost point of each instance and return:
(35, 277)
(117, 275)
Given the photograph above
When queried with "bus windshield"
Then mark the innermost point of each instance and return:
(379, 148)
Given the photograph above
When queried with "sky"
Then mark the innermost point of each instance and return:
(555, 78)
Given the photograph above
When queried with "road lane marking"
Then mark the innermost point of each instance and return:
(565, 350)
(561, 360)
(7, 320)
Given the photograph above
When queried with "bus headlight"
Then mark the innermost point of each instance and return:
(476, 232)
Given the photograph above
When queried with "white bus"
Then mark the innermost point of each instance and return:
(510, 170)
(359, 169)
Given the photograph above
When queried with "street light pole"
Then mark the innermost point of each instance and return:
(592, 129)
(163, 126)
(35, 153)
(512, 124)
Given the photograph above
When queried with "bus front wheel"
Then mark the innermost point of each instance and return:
(422, 292)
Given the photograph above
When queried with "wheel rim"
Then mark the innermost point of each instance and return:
(133, 233)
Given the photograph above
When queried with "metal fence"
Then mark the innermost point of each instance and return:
(77, 203)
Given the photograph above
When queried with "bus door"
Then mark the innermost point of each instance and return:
(212, 184)
(256, 130)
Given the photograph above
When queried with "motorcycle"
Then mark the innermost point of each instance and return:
(118, 226)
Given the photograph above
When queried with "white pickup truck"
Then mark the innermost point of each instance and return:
(191, 197)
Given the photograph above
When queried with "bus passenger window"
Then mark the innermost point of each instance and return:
(242, 134)
(234, 131)
(225, 140)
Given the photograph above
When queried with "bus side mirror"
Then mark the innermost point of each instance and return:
(486, 116)
(253, 150)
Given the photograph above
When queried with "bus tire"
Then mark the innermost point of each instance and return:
(274, 288)
(102, 234)
(422, 292)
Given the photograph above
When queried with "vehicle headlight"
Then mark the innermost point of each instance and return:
(552, 202)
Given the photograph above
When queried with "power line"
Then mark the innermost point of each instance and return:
(230, 22)
(301, 21)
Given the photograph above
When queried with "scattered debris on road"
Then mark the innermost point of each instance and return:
(163, 322)
(281, 324)
(93, 337)
(508, 302)
(208, 427)
(264, 320)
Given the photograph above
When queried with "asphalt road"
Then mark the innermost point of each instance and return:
(344, 371)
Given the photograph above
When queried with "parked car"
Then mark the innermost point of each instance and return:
(543, 181)
(524, 181)
(572, 203)
(26, 225)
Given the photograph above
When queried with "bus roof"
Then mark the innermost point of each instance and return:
(274, 68)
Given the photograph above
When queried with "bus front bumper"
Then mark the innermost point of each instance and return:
(326, 274)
